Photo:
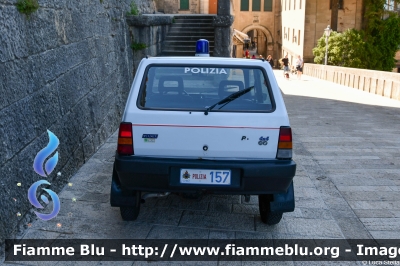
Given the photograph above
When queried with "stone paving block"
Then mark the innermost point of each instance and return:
(80, 263)
(302, 181)
(173, 232)
(312, 213)
(189, 204)
(177, 263)
(381, 224)
(296, 213)
(219, 207)
(385, 234)
(109, 261)
(340, 211)
(221, 234)
(92, 210)
(396, 213)
(252, 235)
(374, 196)
(59, 225)
(279, 228)
(278, 263)
(165, 201)
(385, 205)
(103, 229)
(41, 234)
(325, 263)
(94, 197)
(352, 189)
(352, 228)
(336, 203)
(229, 263)
(351, 180)
(228, 199)
(246, 209)
(302, 192)
(156, 215)
(313, 227)
(150, 202)
(217, 220)
(374, 213)
(310, 203)
(31, 263)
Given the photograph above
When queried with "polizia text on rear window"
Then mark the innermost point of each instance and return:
(198, 88)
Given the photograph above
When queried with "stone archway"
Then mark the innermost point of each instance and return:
(267, 33)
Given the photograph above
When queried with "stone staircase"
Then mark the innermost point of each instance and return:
(185, 31)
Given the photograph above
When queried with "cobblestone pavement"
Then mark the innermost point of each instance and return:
(347, 150)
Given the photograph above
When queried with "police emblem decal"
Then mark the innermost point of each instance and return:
(186, 175)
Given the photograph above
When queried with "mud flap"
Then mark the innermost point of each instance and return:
(283, 202)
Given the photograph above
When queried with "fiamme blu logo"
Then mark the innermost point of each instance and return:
(44, 169)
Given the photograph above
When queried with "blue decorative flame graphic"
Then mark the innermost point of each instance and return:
(33, 200)
(44, 153)
(48, 168)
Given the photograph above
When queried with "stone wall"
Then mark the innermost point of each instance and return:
(150, 30)
(68, 69)
(167, 6)
(377, 82)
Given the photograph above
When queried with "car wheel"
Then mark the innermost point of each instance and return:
(267, 216)
(130, 213)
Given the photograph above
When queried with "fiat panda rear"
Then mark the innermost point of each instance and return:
(197, 125)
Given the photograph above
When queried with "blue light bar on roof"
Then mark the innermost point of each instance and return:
(202, 48)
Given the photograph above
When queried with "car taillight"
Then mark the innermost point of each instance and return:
(284, 143)
(125, 139)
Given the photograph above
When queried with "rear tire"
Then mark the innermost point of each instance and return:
(130, 213)
(267, 216)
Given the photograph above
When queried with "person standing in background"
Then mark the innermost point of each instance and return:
(286, 69)
(247, 53)
(299, 66)
(270, 61)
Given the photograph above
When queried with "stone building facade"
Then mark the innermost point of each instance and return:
(260, 19)
(304, 21)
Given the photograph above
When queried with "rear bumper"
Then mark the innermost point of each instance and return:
(163, 175)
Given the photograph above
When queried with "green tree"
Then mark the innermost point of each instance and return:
(374, 47)
(382, 35)
(345, 49)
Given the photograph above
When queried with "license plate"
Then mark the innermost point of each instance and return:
(205, 177)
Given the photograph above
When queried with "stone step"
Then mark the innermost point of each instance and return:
(184, 47)
(179, 53)
(185, 42)
(185, 31)
(191, 27)
(192, 37)
(194, 18)
(192, 23)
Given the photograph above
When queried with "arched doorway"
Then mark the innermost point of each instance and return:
(263, 41)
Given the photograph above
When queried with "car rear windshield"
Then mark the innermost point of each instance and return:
(197, 88)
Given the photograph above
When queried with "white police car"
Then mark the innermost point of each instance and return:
(204, 124)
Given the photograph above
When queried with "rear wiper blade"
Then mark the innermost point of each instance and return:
(229, 98)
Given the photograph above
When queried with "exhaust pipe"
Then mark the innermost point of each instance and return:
(154, 195)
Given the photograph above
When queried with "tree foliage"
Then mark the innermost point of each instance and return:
(382, 34)
(372, 48)
(344, 49)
